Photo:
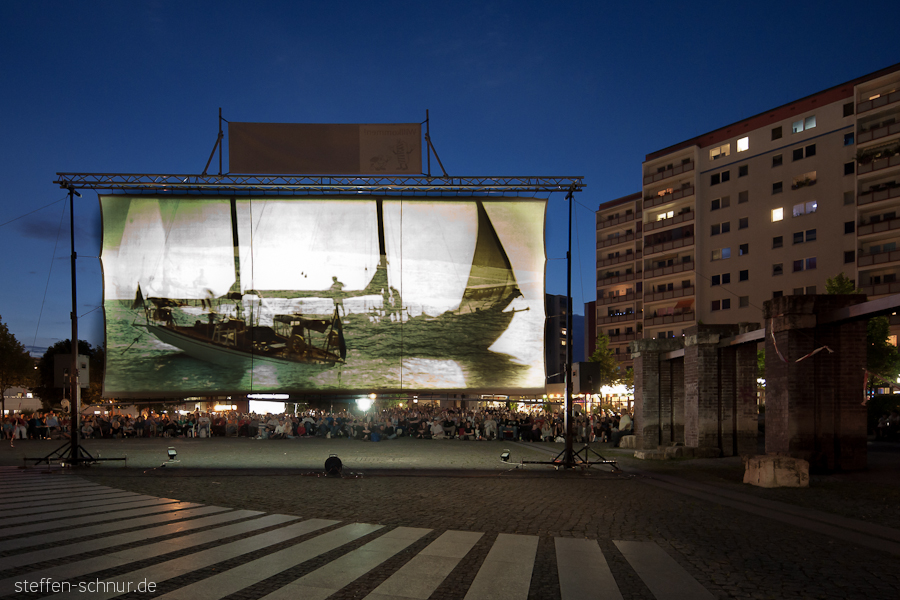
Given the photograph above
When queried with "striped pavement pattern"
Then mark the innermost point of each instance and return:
(67, 531)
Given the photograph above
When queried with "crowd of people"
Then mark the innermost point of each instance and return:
(422, 422)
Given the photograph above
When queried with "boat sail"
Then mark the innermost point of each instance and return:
(229, 338)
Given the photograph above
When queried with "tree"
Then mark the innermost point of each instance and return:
(91, 394)
(882, 357)
(16, 365)
(610, 370)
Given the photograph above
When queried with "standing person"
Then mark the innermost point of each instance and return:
(337, 293)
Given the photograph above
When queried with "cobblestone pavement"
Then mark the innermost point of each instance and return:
(735, 541)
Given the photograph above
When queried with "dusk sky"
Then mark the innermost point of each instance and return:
(513, 88)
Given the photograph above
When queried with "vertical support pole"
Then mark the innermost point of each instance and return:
(569, 460)
(428, 140)
(220, 141)
(74, 427)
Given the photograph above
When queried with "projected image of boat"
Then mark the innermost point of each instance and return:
(233, 341)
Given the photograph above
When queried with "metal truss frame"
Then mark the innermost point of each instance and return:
(415, 185)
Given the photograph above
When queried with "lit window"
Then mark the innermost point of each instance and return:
(665, 215)
(726, 253)
(777, 214)
(720, 152)
(743, 144)
(803, 124)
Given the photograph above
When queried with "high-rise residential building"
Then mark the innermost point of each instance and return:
(555, 337)
(774, 204)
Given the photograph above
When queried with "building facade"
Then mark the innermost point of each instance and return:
(772, 205)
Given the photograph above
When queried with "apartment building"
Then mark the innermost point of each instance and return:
(774, 204)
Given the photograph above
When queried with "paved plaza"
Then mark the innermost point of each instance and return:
(248, 519)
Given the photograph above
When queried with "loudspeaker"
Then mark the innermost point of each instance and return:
(333, 466)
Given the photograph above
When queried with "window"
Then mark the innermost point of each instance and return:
(743, 197)
(798, 291)
(720, 152)
(803, 124)
(743, 223)
(805, 236)
(716, 304)
(721, 253)
(744, 275)
(810, 289)
(726, 226)
(776, 133)
(715, 179)
(798, 237)
(848, 139)
(778, 269)
(805, 264)
(798, 154)
(726, 303)
(848, 109)
(715, 204)
(777, 294)
(715, 229)
(743, 170)
(744, 301)
(810, 150)
(798, 265)
(805, 208)
(804, 180)
(777, 242)
(665, 215)
(726, 278)
(810, 235)
(849, 168)
(849, 227)
(777, 214)
(743, 249)
(849, 198)
(726, 176)
(743, 144)
(777, 187)
(726, 200)
(777, 160)
(810, 263)
(726, 252)
(715, 280)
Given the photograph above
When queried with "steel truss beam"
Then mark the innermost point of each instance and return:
(143, 183)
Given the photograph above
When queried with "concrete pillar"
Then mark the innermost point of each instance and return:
(814, 408)
(651, 390)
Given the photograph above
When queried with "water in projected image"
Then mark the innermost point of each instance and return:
(213, 296)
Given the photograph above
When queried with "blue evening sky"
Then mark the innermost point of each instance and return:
(513, 88)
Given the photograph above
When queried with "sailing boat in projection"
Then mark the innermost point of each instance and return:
(228, 337)
(481, 317)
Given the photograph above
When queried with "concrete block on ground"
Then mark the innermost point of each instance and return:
(775, 470)
(650, 455)
(626, 441)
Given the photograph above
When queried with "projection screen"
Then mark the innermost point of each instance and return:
(210, 296)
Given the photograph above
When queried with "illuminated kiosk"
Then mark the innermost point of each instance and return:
(230, 284)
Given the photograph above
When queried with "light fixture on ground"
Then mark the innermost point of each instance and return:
(505, 456)
(333, 466)
(172, 453)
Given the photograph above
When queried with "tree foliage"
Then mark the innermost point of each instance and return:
(840, 284)
(16, 365)
(611, 372)
(51, 395)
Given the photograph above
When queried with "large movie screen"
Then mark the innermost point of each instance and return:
(210, 296)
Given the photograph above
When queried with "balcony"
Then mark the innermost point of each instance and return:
(878, 193)
(877, 102)
(679, 218)
(877, 133)
(881, 289)
(612, 279)
(878, 227)
(617, 318)
(620, 259)
(624, 337)
(680, 317)
(609, 222)
(683, 168)
(614, 241)
(670, 270)
(631, 297)
(668, 246)
(651, 201)
(877, 165)
(878, 258)
(668, 295)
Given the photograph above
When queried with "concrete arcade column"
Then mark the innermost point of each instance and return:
(720, 390)
(658, 393)
(814, 408)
